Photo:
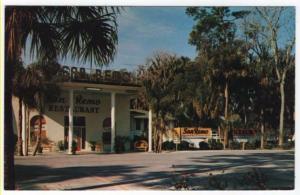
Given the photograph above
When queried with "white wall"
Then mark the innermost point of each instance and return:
(94, 129)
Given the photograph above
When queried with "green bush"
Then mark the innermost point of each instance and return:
(250, 146)
(184, 145)
(168, 145)
(203, 145)
(215, 144)
(61, 145)
(120, 142)
(234, 145)
(289, 145)
(93, 145)
(74, 147)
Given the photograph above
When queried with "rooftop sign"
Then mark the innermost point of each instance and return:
(97, 76)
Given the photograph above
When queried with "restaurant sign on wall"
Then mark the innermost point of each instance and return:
(82, 104)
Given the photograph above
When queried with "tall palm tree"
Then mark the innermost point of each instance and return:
(19, 91)
(83, 33)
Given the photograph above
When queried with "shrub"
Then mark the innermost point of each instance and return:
(289, 145)
(215, 144)
(61, 145)
(203, 145)
(120, 143)
(168, 145)
(184, 145)
(74, 147)
(250, 146)
(93, 145)
(234, 145)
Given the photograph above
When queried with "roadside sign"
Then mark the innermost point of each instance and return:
(176, 141)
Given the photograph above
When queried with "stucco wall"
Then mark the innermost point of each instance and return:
(94, 121)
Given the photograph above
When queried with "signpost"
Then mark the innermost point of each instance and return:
(176, 141)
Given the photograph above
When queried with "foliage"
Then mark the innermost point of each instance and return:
(93, 145)
(74, 147)
(61, 145)
(252, 145)
(215, 144)
(184, 145)
(203, 145)
(217, 182)
(120, 142)
(168, 145)
(160, 82)
(234, 145)
(257, 178)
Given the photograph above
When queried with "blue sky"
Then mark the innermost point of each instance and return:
(146, 30)
(142, 31)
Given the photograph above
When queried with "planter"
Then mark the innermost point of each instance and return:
(40, 150)
(93, 148)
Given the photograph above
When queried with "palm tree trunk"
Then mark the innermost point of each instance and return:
(20, 129)
(226, 94)
(9, 171)
(281, 120)
(26, 130)
(262, 129)
(39, 136)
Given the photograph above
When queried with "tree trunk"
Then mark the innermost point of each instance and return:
(281, 120)
(20, 129)
(26, 130)
(226, 94)
(9, 171)
(262, 129)
(38, 141)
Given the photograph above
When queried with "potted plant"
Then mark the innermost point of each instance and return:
(93, 145)
(120, 142)
(61, 145)
(74, 147)
(40, 149)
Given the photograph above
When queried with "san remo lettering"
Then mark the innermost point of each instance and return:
(82, 105)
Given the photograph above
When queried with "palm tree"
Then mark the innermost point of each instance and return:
(158, 82)
(18, 91)
(83, 33)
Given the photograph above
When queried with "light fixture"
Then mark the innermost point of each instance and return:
(93, 89)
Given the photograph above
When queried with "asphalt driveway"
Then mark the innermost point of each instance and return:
(198, 170)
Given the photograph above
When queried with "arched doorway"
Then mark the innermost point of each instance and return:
(35, 127)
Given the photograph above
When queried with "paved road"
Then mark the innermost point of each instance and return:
(140, 171)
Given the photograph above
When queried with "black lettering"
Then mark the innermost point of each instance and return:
(66, 73)
(108, 75)
(74, 73)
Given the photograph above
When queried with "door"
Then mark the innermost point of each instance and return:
(79, 131)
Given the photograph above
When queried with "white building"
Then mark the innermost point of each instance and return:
(90, 108)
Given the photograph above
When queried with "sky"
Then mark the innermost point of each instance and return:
(146, 30)
(142, 31)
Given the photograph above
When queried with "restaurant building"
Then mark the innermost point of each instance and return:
(93, 106)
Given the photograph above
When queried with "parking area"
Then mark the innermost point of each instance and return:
(198, 170)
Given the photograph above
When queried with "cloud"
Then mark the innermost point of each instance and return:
(137, 23)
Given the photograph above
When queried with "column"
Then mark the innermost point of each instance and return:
(70, 122)
(150, 131)
(24, 139)
(113, 121)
